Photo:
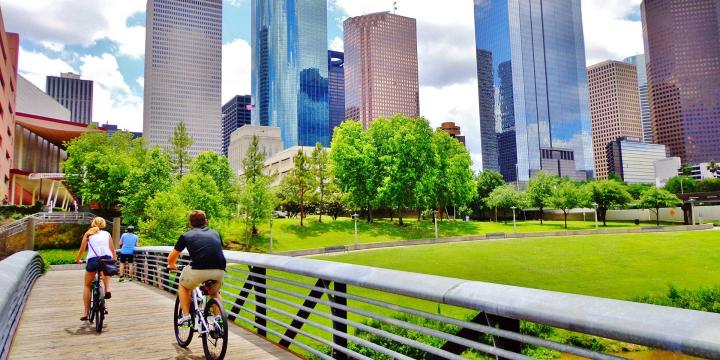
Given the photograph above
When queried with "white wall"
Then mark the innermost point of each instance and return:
(31, 100)
(708, 213)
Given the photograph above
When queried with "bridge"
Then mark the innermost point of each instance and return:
(288, 307)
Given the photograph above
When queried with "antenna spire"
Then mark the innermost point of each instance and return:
(394, 7)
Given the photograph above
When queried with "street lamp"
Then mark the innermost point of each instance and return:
(271, 240)
(692, 210)
(435, 221)
(514, 225)
(355, 217)
(595, 205)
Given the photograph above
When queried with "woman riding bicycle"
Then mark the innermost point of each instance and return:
(99, 245)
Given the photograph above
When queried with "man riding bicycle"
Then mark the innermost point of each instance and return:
(208, 261)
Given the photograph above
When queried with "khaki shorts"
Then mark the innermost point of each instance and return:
(191, 278)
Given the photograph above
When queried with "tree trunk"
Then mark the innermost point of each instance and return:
(400, 215)
(603, 215)
(302, 204)
(565, 214)
(505, 216)
(657, 216)
(321, 203)
(541, 215)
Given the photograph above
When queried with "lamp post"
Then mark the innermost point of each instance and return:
(514, 225)
(595, 205)
(271, 240)
(692, 210)
(355, 217)
(435, 221)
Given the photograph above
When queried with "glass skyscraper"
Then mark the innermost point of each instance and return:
(336, 89)
(73, 93)
(235, 114)
(290, 69)
(534, 112)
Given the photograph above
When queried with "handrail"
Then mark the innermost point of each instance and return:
(18, 226)
(685, 331)
(18, 273)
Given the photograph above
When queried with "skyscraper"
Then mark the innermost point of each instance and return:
(183, 57)
(235, 113)
(532, 52)
(74, 94)
(290, 69)
(381, 67)
(639, 62)
(614, 108)
(682, 50)
(336, 89)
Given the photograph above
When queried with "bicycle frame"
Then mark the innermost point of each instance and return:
(199, 300)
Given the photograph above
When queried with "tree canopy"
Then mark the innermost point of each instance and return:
(540, 189)
(181, 141)
(607, 194)
(681, 184)
(654, 198)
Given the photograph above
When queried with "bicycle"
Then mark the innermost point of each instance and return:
(97, 302)
(204, 321)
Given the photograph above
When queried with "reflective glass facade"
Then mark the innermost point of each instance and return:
(540, 98)
(336, 88)
(235, 113)
(290, 69)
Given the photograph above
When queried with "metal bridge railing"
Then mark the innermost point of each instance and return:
(335, 311)
(16, 227)
(17, 276)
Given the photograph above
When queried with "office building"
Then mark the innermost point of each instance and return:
(634, 161)
(74, 94)
(183, 61)
(682, 50)
(235, 114)
(336, 89)
(532, 85)
(269, 141)
(700, 172)
(290, 69)
(453, 130)
(665, 169)
(9, 46)
(639, 62)
(614, 108)
(381, 67)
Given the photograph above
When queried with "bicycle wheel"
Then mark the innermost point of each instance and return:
(100, 310)
(93, 308)
(215, 341)
(183, 333)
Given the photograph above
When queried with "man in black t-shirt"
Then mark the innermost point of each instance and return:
(208, 262)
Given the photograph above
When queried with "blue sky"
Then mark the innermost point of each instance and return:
(104, 41)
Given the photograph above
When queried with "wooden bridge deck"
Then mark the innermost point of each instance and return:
(138, 326)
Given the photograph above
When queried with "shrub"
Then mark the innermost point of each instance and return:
(702, 299)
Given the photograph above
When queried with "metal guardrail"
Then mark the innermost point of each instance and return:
(18, 226)
(282, 298)
(17, 276)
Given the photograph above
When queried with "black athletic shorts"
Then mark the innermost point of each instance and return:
(93, 263)
(127, 258)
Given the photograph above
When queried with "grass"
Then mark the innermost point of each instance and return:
(288, 235)
(58, 256)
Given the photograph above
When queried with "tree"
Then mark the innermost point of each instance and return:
(218, 168)
(198, 191)
(181, 141)
(355, 166)
(540, 190)
(681, 184)
(166, 218)
(486, 181)
(713, 167)
(153, 175)
(654, 198)
(320, 171)
(97, 166)
(505, 197)
(565, 196)
(256, 199)
(336, 201)
(686, 169)
(636, 190)
(709, 185)
(607, 194)
(300, 177)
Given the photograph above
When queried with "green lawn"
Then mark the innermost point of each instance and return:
(58, 256)
(288, 235)
(619, 266)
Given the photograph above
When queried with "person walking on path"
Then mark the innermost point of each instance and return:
(128, 242)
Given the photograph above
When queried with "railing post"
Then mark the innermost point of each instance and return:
(30, 234)
(116, 231)
(261, 300)
(339, 326)
(505, 324)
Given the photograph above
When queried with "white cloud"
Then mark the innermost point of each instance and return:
(236, 3)
(608, 32)
(236, 57)
(72, 22)
(36, 67)
(337, 44)
(140, 81)
(53, 46)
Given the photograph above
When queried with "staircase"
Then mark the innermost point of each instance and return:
(16, 227)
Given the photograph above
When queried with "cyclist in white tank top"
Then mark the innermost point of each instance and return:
(99, 245)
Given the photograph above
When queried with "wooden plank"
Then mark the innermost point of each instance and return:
(138, 326)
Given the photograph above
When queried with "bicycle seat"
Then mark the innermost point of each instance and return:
(205, 287)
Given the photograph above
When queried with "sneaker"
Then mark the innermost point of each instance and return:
(121, 279)
(185, 321)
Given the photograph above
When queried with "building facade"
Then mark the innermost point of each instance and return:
(269, 141)
(9, 46)
(31, 100)
(533, 54)
(290, 69)
(683, 70)
(639, 62)
(381, 67)
(336, 89)
(183, 70)
(633, 160)
(453, 130)
(74, 94)
(666, 169)
(614, 108)
(235, 114)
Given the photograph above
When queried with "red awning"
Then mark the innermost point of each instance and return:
(54, 130)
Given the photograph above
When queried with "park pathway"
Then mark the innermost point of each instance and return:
(138, 326)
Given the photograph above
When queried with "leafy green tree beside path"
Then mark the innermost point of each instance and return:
(540, 191)
(180, 142)
(607, 194)
(505, 197)
(565, 196)
(656, 199)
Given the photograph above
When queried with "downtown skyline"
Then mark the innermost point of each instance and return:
(448, 84)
